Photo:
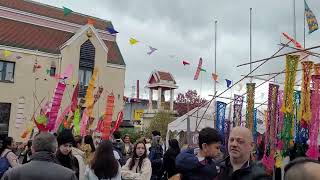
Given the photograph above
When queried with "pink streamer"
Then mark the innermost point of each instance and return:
(55, 105)
(68, 72)
(313, 152)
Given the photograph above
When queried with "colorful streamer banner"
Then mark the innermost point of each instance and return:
(250, 105)
(237, 110)
(196, 76)
(305, 89)
(279, 143)
(310, 18)
(108, 117)
(270, 135)
(89, 94)
(313, 151)
(76, 122)
(220, 117)
(316, 68)
(287, 106)
(55, 105)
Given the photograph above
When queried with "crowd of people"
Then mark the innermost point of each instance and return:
(68, 157)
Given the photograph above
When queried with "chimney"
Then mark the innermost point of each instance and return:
(138, 90)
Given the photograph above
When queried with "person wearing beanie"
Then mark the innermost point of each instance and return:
(64, 153)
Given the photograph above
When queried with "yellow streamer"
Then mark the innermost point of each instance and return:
(89, 95)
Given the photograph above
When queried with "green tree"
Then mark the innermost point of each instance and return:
(160, 123)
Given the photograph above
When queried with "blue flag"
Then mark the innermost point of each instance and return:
(311, 19)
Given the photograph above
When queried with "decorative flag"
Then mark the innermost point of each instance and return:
(152, 49)
(66, 11)
(237, 110)
(91, 21)
(220, 117)
(214, 76)
(48, 71)
(296, 43)
(250, 105)
(310, 18)
(6, 53)
(118, 122)
(287, 106)
(185, 63)
(133, 41)
(313, 151)
(196, 76)
(229, 82)
(270, 136)
(111, 30)
(297, 116)
(74, 99)
(84, 122)
(203, 70)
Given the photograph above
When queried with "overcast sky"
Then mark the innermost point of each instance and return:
(185, 29)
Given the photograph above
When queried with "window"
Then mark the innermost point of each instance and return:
(86, 65)
(7, 71)
(52, 71)
(5, 109)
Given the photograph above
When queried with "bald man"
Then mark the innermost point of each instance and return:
(302, 169)
(239, 166)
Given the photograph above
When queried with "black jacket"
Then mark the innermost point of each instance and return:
(249, 171)
(168, 168)
(190, 168)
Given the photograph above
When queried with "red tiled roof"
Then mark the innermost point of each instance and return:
(165, 76)
(28, 36)
(53, 12)
(33, 37)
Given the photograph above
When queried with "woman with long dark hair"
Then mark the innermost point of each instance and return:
(7, 148)
(139, 166)
(168, 168)
(103, 165)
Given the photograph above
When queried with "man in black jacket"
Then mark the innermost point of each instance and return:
(239, 166)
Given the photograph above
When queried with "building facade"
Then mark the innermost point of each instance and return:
(37, 43)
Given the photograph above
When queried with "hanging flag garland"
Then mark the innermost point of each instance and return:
(133, 41)
(287, 106)
(237, 108)
(111, 30)
(185, 63)
(250, 105)
(229, 82)
(214, 77)
(152, 50)
(220, 117)
(297, 116)
(313, 151)
(305, 89)
(66, 11)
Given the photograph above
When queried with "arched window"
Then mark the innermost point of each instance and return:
(86, 66)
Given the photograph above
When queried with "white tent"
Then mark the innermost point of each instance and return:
(180, 124)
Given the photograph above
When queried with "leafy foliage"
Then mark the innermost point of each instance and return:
(160, 123)
(190, 98)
